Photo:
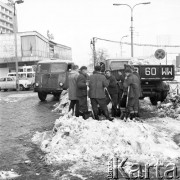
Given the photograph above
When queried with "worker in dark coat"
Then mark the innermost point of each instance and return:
(112, 91)
(120, 81)
(132, 83)
(72, 80)
(82, 90)
(97, 95)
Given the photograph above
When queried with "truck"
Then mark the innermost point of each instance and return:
(52, 77)
(153, 77)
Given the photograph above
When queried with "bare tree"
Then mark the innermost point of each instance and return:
(101, 55)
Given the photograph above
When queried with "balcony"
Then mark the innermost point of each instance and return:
(6, 27)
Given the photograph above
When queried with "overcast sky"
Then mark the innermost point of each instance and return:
(75, 22)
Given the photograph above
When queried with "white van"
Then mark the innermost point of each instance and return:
(24, 75)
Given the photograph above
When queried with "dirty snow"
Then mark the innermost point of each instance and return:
(16, 97)
(90, 142)
(8, 175)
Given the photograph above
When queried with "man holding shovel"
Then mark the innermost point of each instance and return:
(112, 92)
(132, 85)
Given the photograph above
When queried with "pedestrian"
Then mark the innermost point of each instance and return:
(113, 92)
(82, 91)
(135, 72)
(97, 95)
(131, 83)
(72, 78)
(120, 81)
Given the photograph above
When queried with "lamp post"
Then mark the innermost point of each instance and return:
(15, 42)
(121, 43)
(132, 8)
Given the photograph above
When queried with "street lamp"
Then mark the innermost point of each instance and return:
(15, 42)
(132, 8)
(121, 43)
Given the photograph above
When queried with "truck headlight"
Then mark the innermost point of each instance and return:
(37, 84)
(61, 84)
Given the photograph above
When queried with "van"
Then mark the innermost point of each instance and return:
(52, 77)
(24, 75)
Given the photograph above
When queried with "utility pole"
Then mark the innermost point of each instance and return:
(132, 8)
(15, 41)
(94, 50)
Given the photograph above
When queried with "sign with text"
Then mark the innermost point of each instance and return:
(155, 71)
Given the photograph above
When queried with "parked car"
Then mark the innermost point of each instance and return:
(52, 77)
(8, 82)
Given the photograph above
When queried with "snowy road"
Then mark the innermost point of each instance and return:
(21, 115)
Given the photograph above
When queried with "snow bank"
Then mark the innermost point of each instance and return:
(170, 108)
(74, 139)
(90, 142)
(8, 175)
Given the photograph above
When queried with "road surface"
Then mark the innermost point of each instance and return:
(22, 114)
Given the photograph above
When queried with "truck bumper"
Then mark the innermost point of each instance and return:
(48, 91)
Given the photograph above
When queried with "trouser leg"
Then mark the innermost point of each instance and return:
(83, 104)
(114, 98)
(94, 105)
(136, 105)
(77, 108)
(72, 104)
(131, 103)
(103, 106)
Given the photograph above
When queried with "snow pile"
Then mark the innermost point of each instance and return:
(63, 106)
(8, 175)
(74, 139)
(171, 107)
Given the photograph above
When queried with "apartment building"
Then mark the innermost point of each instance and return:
(6, 17)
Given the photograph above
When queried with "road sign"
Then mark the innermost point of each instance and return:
(160, 54)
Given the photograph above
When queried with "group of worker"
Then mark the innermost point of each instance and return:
(102, 88)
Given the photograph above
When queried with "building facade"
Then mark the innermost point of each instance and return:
(31, 48)
(6, 17)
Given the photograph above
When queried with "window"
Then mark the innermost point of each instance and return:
(117, 65)
(60, 67)
(9, 79)
(29, 75)
(43, 68)
(2, 79)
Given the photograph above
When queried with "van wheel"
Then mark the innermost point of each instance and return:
(42, 96)
(21, 87)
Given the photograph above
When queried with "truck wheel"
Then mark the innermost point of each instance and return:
(42, 96)
(153, 101)
(21, 87)
(163, 95)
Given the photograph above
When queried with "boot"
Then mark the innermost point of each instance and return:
(136, 115)
(96, 117)
(132, 116)
(114, 113)
(106, 114)
(122, 116)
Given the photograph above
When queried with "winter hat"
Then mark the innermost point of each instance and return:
(97, 68)
(128, 71)
(83, 67)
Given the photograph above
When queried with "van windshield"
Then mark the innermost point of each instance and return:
(58, 67)
(43, 68)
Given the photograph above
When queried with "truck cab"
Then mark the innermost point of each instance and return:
(52, 77)
(153, 77)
